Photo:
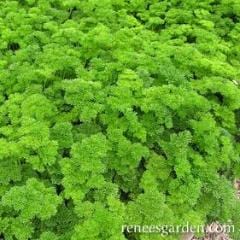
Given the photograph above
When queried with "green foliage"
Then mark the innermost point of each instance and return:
(24, 203)
(117, 112)
(33, 199)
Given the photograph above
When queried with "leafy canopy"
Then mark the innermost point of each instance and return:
(117, 112)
